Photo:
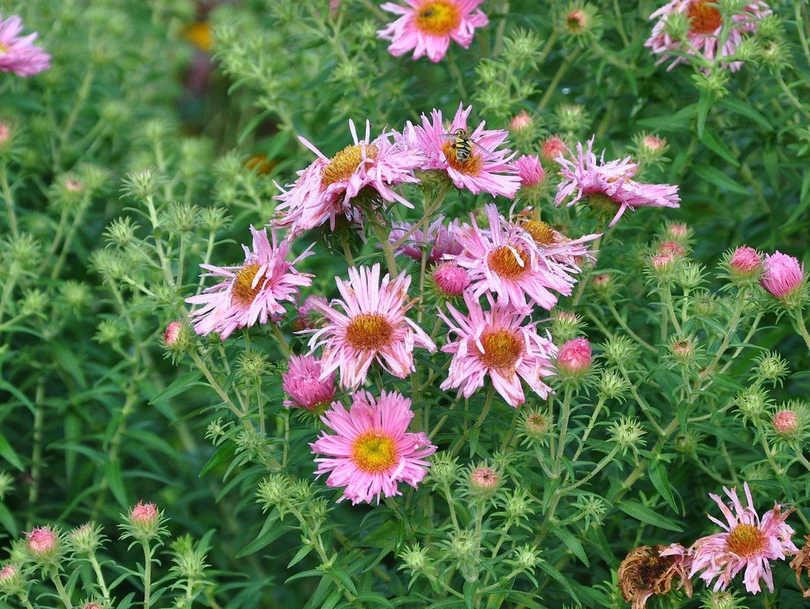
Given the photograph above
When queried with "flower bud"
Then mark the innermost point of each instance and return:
(650, 148)
(11, 580)
(517, 506)
(443, 470)
(612, 385)
(86, 539)
(672, 247)
(581, 22)
(143, 184)
(143, 523)
(45, 546)
(785, 423)
(308, 316)
(178, 337)
(620, 350)
(521, 123)
(603, 285)
(627, 433)
(572, 118)
(752, 402)
(450, 279)
(722, 599)
(551, 148)
(530, 171)
(682, 350)
(483, 482)
(274, 492)
(527, 557)
(417, 560)
(687, 444)
(783, 278)
(302, 382)
(535, 425)
(565, 325)
(574, 359)
(771, 367)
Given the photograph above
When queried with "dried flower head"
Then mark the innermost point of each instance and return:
(646, 571)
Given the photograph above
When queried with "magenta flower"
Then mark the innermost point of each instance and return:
(496, 343)
(530, 171)
(485, 170)
(451, 280)
(252, 291)
(782, 275)
(426, 26)
(372, 327)
(324, 190)
(748, 543)
(438, 240)
(17, 54)
(705, 25)
(607, 185)
(506, 261)
(371, 451)
(303, 383)
(574, 357)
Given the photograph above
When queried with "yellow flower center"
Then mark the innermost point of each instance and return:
(3, 49)
(504, 261)
(541, 232)
(437, 17)
(345, 163)
(243, 292)
(703, 19)
(369, 332)
(501, 349)
(373, 453)
(471, 165)
(745, 540)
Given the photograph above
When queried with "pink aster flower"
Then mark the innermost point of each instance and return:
(372, 327)
(607, 185)
(426, 26)
(17, 54)
(498, 344)
(782, 275)
(308, 317)
(555, 245)
(705, 25)
(303, 383)
(324, 191)
(252, 291)
(506, 261)
(530, 171)
(371, 451)
(439, 239)
(748, 543)
(486, 169)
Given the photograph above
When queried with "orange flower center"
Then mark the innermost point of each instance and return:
(471, 165)
(703, 19)
(505, 262)
(345, 163)
(745, 540)
(501, 349)
(541, 232)
(369, 332)
(437, 17)
(373, 453)
(244, 292)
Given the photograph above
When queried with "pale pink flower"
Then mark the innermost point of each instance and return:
(144, 514)
(745, 261)
(521, 122)
(372, 451)
(782, 275)
(556, 246)
(438, 240)
(426, 26)
(308, 316)
(324, 191)
(608, 185)
(498, 344)
(172, 333)
(785, 422)
(252, 291)
(530, 171)
(17, 54)
(372, 327)
(41, 541)
(506, 261)
(705, 25)
(303, 383)
(748, 543)
(487, 169)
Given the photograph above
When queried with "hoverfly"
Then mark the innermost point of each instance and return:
(463, 145)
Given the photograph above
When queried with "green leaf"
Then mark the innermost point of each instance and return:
(804, 199)
(559, 578)
(660, 480)
(8, 453)
(719, 179)
(113, 473)
(252, 125)
(299, 556)
(374, 599)
(704, 106)
(17, 394)
(470, 588)
(740, 107)
(718, 146)
(271, 531)
(340, 574)
(68, 361)
(571, 542)
(644, 514)
(178, 386)
(7, 520)
(333, 600)
(675, 122)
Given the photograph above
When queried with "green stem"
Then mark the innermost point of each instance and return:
(12, 217)
(147, 575)
(798, 325)
(99, 575)
(53, 573)
(557, 78)
(627, 329)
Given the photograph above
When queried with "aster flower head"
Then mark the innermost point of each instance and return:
(325, 190)
(496, 343)
(427, 26)
(486, 169)
(371, 451)
(17, 53)
(748, 543)
(705, 24)
(570, 253)
(303, 383)
(439, 239)
(505, 260)
(651, 570)
(783, 278)
(608, 185)
(252, 291)
(370, 326)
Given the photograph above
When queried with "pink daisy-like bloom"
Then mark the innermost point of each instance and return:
(506, 261)
(496, 343)
(308, 317)
(439, 240)
(487, 169)
(372, 451)
(303, 383)
(252, 291)
(372, 327)
(17, 53)
(705, 25)
(606, 185)
(748, 543)
(530, 171)
(782, 275)
(426, 26)
(552, 243)
(324, 190)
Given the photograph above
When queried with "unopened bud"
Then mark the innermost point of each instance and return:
(483, 482)
(783, 278)
(565, 325)
(536, 425)
(574, 359)
(443, 470)
(552, 147)
(521, 122)
(44, 545)
(143, 523)
(11, 580)
(612, 385)
(86, 539)
(627, 433)
(450, 279)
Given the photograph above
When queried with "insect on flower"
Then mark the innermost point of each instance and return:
(462, 145)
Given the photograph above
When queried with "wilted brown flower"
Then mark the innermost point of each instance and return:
(645, 572)
(802, 561)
